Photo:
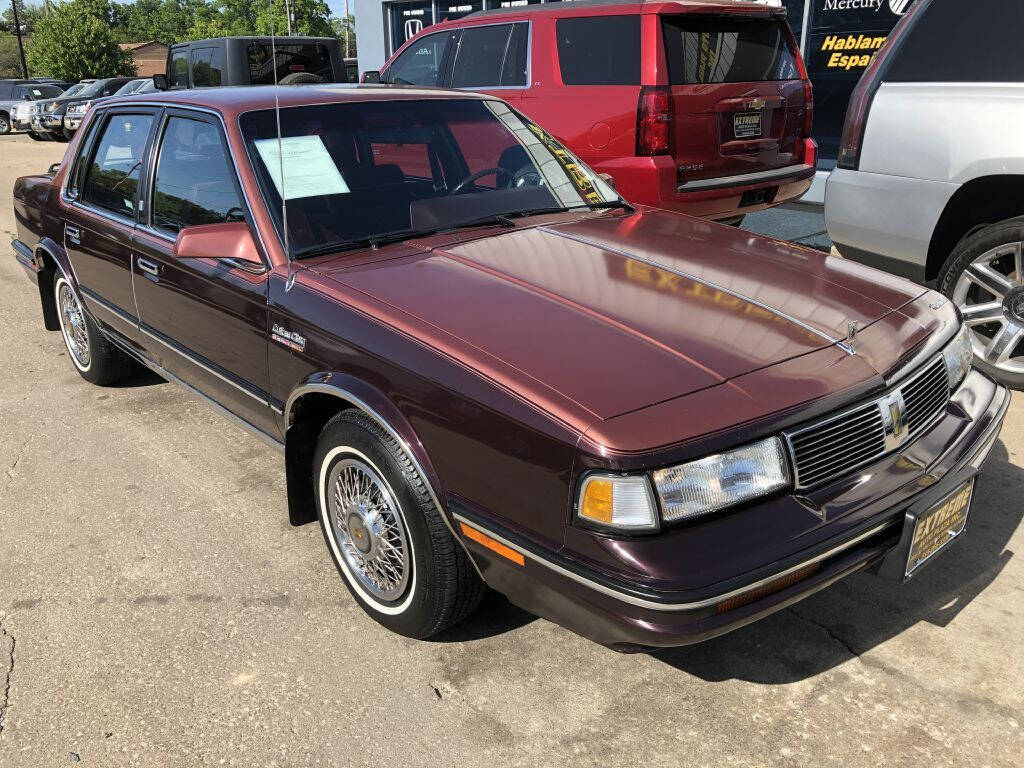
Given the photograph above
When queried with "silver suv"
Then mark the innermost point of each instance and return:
(930, 177)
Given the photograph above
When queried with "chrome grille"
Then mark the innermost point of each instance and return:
(840, 444)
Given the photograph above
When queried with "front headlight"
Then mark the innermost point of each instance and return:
(958, 355)
(52, 106)
(617, 502)
(713, 483)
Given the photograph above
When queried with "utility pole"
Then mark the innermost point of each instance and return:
(348, 33)
(17, 31)
(288, 13)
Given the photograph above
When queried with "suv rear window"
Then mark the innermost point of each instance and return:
(599, 50)
(311, 57)
(716, 49)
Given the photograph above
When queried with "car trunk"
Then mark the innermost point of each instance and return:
(737, 97)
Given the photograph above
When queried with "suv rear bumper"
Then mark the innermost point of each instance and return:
(628, 615)
(654, 181)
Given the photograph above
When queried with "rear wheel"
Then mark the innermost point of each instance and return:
(388, 540)
(985, 277)
(301, 78)
(96, 359)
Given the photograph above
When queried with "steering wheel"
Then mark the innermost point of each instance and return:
(234, 214)
(479, 175)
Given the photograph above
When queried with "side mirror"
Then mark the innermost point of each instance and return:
(228, 240)
(371, 76)
(607, 179)
(160, 82)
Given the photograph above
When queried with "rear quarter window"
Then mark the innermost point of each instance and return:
(951, 42)
(717, 49)
(599, 50)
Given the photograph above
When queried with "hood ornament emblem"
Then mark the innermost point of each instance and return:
(846, 344)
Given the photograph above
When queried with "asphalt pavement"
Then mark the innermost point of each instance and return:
(156, 609)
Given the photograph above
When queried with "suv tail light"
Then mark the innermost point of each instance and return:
(654, 121)
(863, 94)
(808, 107)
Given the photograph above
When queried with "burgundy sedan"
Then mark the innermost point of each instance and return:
(483, 367)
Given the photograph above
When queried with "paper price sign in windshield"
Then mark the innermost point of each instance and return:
(309, 170)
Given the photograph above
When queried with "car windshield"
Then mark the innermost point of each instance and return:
(371, 171)
(92, 89)
(74, 90)
(43, 91)
(132, 86)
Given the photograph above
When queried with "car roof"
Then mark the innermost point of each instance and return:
(234, 100)
(653, 6)
(281, 40)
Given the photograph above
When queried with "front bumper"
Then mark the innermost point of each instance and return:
(71, 122)
(21, 123)
(626, 615)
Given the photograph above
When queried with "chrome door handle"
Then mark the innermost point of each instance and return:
(74, 234)
(148, 266)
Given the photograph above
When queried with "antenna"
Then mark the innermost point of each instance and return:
(290, 281)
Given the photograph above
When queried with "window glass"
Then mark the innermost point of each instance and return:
(722, 50)
(982, 32)
(207, 64)
(194, 182)
(480, 56)
(179, 70)
(514, 71)
(113, 86)
(420, 63)
(407, 167)
(600, 50)
(314, 58)
(112, 178)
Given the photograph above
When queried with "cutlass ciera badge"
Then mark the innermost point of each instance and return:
(288, 338)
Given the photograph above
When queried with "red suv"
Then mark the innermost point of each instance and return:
(702, 108)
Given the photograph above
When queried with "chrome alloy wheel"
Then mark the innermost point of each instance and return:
(990, 294)
(72, 323)
(369, 529)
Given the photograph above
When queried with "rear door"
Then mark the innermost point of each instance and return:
(100, 208)
(493, 58)
(737, 94)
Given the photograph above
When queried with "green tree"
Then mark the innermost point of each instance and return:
(28, 15)
(345, 30)
(261, 17)
(76, 40)
(167, 21)
(10, 61)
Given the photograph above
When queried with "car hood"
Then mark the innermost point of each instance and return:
(615, 313)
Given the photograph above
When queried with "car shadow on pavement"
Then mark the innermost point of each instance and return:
(858, 613)
(495, 616)
(142, 377)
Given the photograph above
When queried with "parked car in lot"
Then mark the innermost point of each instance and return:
(21, 95)
(930, 181)
(701, 108)
(75, 113)
(49, 118)
(27, 117)
(484, 367)
(251, 61)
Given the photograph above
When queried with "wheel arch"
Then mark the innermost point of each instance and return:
(54, 261)
(313, 403)
(976, 204)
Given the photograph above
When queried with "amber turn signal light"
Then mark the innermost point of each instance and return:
(483, 539)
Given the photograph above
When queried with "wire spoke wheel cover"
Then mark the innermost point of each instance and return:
(990, 294)
(369, 528)
(72, 323)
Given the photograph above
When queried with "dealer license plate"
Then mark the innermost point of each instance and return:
(940, 525)
(746, 124)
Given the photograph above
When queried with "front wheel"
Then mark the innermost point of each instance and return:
(5, 124)
(35, 136)
(985, 277)
(387, 538)
(96, 359)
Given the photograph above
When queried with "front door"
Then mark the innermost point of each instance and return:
(204, 319)
(100, 213)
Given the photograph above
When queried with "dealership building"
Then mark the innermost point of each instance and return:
(837, 39)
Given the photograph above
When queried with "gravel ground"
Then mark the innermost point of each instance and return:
(157, 610)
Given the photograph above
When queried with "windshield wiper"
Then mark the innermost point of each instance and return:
(374, 241)
(620, 203)
(498, 218)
